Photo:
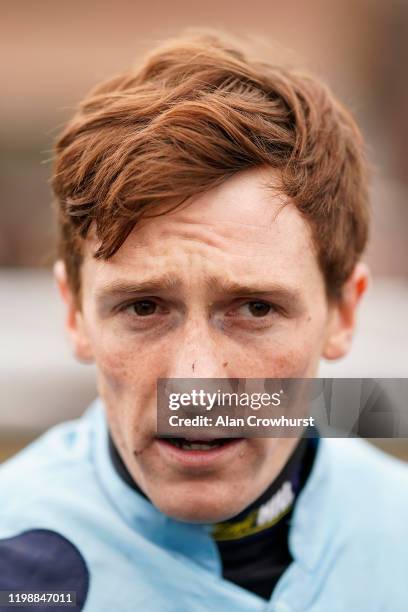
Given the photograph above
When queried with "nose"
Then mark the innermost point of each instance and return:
(197, 353)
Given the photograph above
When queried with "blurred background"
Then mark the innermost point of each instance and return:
(51, 54)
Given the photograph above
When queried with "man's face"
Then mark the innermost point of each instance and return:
(226, 286)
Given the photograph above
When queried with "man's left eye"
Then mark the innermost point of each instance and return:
(143, 308)
(258, 309)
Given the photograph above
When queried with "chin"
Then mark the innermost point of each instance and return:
(195, 513)
(199, 506)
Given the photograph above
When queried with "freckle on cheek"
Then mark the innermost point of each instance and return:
(282, 368)
(292, 363)
(115, 375)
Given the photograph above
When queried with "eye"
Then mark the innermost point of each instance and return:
(143, 308)
(258, 309)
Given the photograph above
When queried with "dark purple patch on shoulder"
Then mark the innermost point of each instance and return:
(43, 560)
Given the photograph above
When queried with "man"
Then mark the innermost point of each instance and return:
(212, 215)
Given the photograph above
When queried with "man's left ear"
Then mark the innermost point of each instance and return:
(342, 314)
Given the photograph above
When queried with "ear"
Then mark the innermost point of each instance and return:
(343, 314)
(74, 321)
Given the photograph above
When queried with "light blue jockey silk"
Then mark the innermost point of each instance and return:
(348, 538)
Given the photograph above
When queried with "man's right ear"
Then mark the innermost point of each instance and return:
(74, 320)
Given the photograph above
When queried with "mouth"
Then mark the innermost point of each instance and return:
(196, 453)
(197, 445)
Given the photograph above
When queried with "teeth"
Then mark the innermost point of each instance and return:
(197, 446)
(187, 445)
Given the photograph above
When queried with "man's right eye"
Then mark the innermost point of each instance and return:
(142, 308)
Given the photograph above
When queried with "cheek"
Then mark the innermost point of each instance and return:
(115, 372)
(293, 353)
(292, 361)
(125, 364)
(126, 378)
(286, 363)
(127, 387)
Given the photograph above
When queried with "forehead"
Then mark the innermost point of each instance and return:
(242, 230)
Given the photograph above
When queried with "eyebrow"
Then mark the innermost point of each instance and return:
(214, 284)
(236, 289)
(119, 288)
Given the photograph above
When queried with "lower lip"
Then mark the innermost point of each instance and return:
(199, 458)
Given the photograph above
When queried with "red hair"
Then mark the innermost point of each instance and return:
(197, 111)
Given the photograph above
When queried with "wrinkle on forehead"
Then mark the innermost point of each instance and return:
(234, 212)
(288, 230)
(240, 229)
(243, 208)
